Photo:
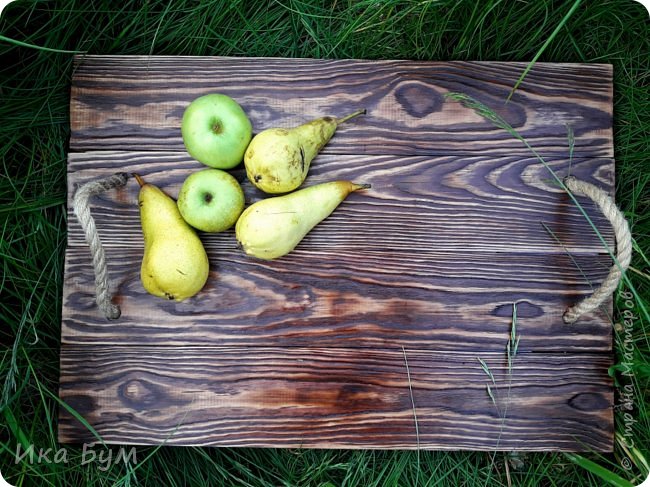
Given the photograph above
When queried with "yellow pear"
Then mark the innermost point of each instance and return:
(175, 264)
(273, 227)
(277, 160)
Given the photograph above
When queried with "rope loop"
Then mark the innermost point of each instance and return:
(606, 205)
(81, 207)
(623, 244)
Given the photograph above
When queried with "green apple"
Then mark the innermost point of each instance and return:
(211, 200)
(216, 131)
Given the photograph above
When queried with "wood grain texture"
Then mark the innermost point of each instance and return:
(136, 103)
(452, 203)
(461, 301)
(306, 351)
(336, 398)
(433, 255)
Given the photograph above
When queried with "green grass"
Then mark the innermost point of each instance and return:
(34, 97)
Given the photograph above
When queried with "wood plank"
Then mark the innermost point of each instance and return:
(336, 398)
(437, 300)
(356, 278)
(136, 102)
(451, 203)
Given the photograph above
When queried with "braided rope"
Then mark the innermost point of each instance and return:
(571, 315)
(623, 244)
(81, 206)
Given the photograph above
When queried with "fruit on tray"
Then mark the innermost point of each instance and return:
(211, 200)
(216, 131)
(175, 264)
(274, 226)
(278, 159)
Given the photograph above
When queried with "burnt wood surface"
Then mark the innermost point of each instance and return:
(447, 244)
(461, 222)
(136, 102)
(337, 398)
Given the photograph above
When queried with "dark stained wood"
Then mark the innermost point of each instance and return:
(436, 300)
(305, 351)
(433, 255)
(136, 102)
(336, 398)
(450, 203)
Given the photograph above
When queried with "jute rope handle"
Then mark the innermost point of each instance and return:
(571, 315)
(623, 245)
(81, 207)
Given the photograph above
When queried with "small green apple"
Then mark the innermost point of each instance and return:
(216, 131)
(211, 200)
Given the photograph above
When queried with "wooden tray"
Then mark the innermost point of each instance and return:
(385, 311)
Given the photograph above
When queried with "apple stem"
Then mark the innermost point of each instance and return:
(361, 111)
(139, 179)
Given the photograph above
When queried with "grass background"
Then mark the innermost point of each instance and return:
(34, 130)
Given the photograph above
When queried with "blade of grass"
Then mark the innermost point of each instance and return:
(489, 114)
(602, 472)
(415, 416)
(77, 416)
(15, 429)
(541, 50)
(33, 46)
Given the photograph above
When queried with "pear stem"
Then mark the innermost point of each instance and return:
(139, 179)
(361, 111)
(361, 186)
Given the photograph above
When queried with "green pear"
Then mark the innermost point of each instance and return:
(273, 227)
(175, 265)
(277, 160)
